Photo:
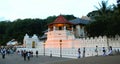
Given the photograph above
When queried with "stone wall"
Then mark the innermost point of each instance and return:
(68, 53)
(101, 41)
(89, 44)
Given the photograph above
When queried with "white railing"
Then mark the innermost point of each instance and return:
(68, 53)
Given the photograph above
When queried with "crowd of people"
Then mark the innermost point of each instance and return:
(104, 50)
(26, 54)
(5, 51)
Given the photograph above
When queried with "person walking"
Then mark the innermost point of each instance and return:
(110, 51)
(31, 53)
(104, 51)
(37, 53)
(83, 52)
(24, 54)
(28, 55)
(79, 53)
(3, 53)
(96, 50)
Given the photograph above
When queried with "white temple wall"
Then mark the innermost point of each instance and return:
(115, 42)
(28, 41)
(89, 44)
(67, 52)
(80, 42)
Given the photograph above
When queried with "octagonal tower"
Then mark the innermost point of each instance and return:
(60, 32)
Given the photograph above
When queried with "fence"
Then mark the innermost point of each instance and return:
(69, 53)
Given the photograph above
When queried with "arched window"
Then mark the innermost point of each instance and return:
(33, 44)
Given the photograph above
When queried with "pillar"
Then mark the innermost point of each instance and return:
(54, 28)
(64, 28)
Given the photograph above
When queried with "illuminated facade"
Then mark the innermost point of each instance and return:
(68, 34)
(60, 32)
(65, 37)
(31, 42)
(63, 32)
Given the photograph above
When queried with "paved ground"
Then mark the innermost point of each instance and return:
(15, 59)
(93, 60)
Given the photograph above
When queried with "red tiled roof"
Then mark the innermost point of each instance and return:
(60, 20)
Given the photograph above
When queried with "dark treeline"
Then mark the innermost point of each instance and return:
(18, 28)
(105, 20)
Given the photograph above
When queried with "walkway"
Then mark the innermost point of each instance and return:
(16, 59)
(93, 60)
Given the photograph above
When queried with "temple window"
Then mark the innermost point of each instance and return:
(60, 28)
(33, 44)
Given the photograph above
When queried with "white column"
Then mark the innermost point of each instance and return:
(64, 28)
(83, 32)
(54, 28)
(72, 29)
(48, 29)
(78, 30)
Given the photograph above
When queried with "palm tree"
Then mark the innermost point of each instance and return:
(102, 11)
(104, 8)
(118, 6)
(101, 18)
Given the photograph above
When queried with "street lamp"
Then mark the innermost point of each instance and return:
(44, 48)
(60, 48)
(108, 43)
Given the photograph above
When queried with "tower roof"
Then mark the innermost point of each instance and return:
(60, 20)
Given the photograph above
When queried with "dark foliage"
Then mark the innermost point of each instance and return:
(18, 28)
(105, 20)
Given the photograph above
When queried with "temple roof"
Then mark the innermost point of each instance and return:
(60, 20)
(79, 21)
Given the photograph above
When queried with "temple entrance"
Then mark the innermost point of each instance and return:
(33, 44)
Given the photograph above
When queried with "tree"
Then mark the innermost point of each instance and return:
(104, 8)
(19, 27)
(106, 21)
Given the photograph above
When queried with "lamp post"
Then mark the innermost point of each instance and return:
(107, 43)
(44, 48)
(60, 48)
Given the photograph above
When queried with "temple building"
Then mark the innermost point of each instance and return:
(31, 42)
(63, 38)
(60, 32)
(79, 27)
(63, 32)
